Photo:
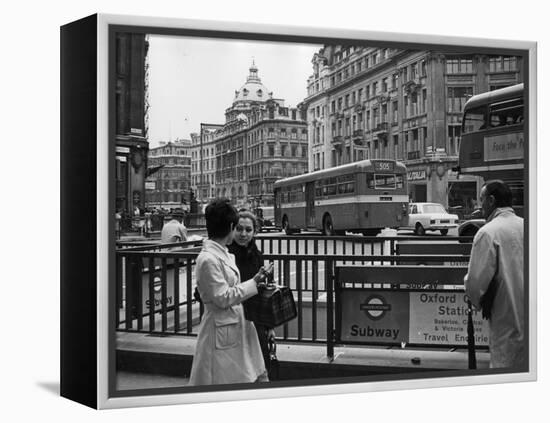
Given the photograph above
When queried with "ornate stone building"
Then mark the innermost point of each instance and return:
(366, 102)
(260, 142)
(131, 121)
(168, 185)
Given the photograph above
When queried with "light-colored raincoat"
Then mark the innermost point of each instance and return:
(497, 253)
(227, 349)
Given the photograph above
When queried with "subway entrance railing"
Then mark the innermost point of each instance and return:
(155, 283)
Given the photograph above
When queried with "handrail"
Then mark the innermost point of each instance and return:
(155, 282)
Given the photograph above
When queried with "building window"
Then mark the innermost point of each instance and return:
(367, 120)
(384, 85)
(414, 103)
(395, 116)
(454, 137)
(459, 66)
(457, 97)
(502, 64)
(414, 71)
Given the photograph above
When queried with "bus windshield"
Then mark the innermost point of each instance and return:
(474, 120)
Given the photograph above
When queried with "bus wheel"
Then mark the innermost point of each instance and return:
(328, 228)
(286, 226)
(444, 232)
(419, 229)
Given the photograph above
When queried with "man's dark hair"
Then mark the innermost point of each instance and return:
(500, 191)
(220, 214)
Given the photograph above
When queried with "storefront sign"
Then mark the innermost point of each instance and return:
(122, 150)
(504, 147)
(416, 175)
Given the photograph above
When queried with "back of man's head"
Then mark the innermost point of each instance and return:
(500, 191)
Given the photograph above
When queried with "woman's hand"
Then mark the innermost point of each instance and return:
(263, 273)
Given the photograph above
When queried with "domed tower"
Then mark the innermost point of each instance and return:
(253, 95)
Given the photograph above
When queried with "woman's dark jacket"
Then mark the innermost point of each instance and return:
(248, 259)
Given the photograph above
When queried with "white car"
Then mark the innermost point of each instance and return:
(430, 217)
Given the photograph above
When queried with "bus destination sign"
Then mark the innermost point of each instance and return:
(383, 166)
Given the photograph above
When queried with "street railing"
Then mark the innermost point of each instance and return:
(155, 283)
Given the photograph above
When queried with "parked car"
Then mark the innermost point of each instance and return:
(430, 217)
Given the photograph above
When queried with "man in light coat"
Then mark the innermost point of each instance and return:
(494, 282)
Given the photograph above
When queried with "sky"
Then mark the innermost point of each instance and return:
(193, 80)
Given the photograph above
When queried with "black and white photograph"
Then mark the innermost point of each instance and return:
(296, 211)
(275, 211)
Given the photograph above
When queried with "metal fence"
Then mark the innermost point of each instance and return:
(155, 283)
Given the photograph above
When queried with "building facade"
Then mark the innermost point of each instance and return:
(131, 121)
(168, 183)
(203, 162)
(260, 142)
(366, 102)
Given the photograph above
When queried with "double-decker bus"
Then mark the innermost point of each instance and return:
(493, 144)
(363, 196)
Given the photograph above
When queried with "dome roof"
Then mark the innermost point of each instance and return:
(253, 89)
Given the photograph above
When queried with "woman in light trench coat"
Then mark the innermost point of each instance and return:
(227, 349)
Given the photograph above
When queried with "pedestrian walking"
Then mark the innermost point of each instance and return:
(494, 282)
(227, 349)
(174, 230)
(249, 260)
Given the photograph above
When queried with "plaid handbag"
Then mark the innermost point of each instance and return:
(271, 307)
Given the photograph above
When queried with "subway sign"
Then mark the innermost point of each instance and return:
(408, 317)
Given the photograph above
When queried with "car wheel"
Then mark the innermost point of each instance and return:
(419, 229)
(328, 228)
(444, 232)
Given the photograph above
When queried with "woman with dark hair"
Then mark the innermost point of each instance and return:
(227, 349)
(249, 260)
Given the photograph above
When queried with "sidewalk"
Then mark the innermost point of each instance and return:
(165, 361)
